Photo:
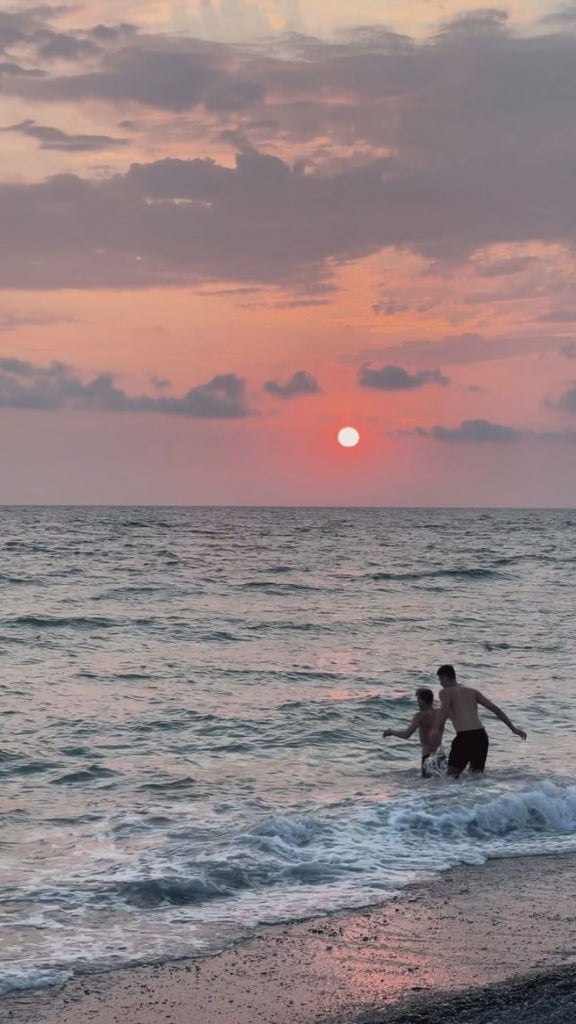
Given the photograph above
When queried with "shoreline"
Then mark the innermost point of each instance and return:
(503, 924)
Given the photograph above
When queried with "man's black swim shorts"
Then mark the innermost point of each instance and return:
(468, 748)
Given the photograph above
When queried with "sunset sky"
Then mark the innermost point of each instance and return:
(230, 228)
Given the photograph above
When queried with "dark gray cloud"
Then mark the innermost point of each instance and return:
(8, 69)
(462, 349)
(24, 385)
(112, 33)
(389, 307)
(63, 46)
(565, 402)
(558, 316)
(484, 432)
(479, 22)
(477, 431)
(467, 170)
(563, 16)
(16, 26)
(165, 79)
(301, 303)
(300, 383)
(55, 139)
(501, 268)
(31, 28)
(569, 350)
(217, 292)
(179, 221)
(485, 298)
(396, 378)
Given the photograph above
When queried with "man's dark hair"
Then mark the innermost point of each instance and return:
(425, 694)
(446, 670)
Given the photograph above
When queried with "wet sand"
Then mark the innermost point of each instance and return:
(424, 958)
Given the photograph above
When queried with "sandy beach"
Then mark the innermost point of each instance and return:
(511, 921)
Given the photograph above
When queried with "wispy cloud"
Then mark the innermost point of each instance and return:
(25, 385)
(481, 431)
(565, 401)
(484, 432)
(463, 171)
(396, 378)
(300, 383)
(504, 267)
(55, 139)
(462, 349)
(558, 316)
(14, 321)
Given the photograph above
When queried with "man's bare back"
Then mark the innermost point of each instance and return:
(460, 704)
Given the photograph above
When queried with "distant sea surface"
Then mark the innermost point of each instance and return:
(191, 713)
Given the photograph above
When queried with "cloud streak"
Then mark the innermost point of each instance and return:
(480, 431)
(59, 141)
(300, 383)
(463, 171)
(24, 385)
(396, 378)
(566, 401)
(462, 349)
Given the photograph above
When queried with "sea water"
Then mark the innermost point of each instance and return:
(192, 704)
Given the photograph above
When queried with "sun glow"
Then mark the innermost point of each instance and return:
(348, 437)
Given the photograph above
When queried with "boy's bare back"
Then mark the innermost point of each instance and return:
(428, 731)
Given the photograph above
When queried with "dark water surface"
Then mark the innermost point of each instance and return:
(191, 709)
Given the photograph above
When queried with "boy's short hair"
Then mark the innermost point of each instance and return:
(425, 694)
(446, 670)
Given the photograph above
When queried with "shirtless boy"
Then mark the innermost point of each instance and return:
(430, 733)
(460, 705)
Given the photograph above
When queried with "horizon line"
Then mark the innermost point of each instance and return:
(258, 507)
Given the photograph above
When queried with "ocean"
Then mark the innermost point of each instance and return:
(192, 703)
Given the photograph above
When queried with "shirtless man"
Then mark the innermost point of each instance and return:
(460, 705)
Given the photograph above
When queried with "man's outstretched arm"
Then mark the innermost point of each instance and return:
(499, 714)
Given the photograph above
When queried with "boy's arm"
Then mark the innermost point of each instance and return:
(404, 734)
(499, 714)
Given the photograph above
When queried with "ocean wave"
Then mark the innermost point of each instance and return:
(279, 570)
(299, 807)
(473, 573)
(381, 846)
(173, 786)
(222, 636)
(74, 621)
(31, 768)
(272, 587)
(337, 857)
(128, 590)
(294, 627)
(549, 808)
(94, 773)
(25, 978)
(210, 883)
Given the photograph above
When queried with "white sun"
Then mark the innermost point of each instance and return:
(348, 437)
